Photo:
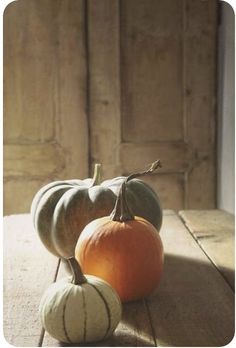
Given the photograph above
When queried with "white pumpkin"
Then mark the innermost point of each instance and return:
(80, 308)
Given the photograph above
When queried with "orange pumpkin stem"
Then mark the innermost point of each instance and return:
(78, 277)
(121, 211)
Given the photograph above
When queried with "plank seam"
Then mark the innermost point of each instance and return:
(150, 322)
(204, 251)
(42, 334)
(88, 82)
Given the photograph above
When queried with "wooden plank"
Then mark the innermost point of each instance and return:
(214, 231)
(71, 95)
(151, 70)
(46, 160)
(104, 84)
(175, 156)
(200, 27)
(134, 330)
(45, 95)
(169, 188)
(28, 270)
(25, 188)
(200, 188)
(29, 70)
(193, 306)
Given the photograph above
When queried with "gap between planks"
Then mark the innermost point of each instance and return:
(54, 279)
(206, 238)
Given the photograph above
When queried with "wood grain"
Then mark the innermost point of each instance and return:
(47, 160)
(112, 82)
(151, 70)
(169, 188)
(45, 95)
(29, 70)
(70, 99)
(104, 84)
(175, 156)
(15, 189)
(28, 270)
(193, 306)
(199, 102)
(214, 231)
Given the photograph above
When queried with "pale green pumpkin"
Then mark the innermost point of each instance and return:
(62, 209)
(80, 309)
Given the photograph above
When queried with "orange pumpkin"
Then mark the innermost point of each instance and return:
(123, 249)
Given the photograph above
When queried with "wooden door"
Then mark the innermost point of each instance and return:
(152, 94)
(45, 119)
(120, 82)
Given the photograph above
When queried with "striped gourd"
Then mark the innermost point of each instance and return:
(80, 309)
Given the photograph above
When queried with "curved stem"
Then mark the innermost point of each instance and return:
(78, 277)
(121, 211)
(96, 174)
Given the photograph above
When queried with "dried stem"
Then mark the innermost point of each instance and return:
(121, 211)
(78, 277)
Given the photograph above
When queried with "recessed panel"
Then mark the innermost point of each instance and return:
(151, 70)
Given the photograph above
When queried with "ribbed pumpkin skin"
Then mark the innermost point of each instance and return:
(61, 209)
(128, 255)
(80, 313)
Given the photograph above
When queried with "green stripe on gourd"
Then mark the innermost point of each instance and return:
(80, 309)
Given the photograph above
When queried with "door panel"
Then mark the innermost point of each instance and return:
(160, 94)
(117, 82)
(151, 70)
(45, 97)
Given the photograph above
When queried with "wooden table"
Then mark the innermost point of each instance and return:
(193, 306)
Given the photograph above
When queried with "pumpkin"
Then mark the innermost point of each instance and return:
(123, 249)
(61, 209)
(80, 309)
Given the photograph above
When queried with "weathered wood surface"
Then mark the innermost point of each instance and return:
(104, 84)
(199, 71)
(214, 231)
(45, 89)
(113, 82)
(194, 305)
(28, 270)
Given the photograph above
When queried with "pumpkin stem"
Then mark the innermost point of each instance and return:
(78, 277)
(96, 174)
(121, 211)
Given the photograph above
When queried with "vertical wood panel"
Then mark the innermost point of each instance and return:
(151, 70)
(151, 64)
(200, 72)
(104, 84)
(71, 88)
(29, 70)
(45, 96)
(169, 188)
(167, 92)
